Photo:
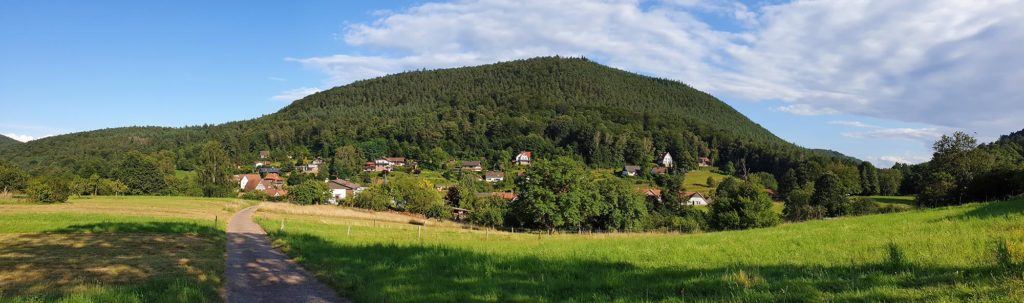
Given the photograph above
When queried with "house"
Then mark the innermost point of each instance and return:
(264, 154)
(396, 161)
(258, 164)
(693, 198)
(309, 169)
(317, 162)
(459, 214)
(494, 176)
(704, 162)
(659, 170)
(371, 166)
(268, 170)
(630, 171)
(471, 166)
(664, 160)
(507, 196)
(274, 179)
(523, 158)
(650, 193)
(274, 192)
(342, 189)
(248, 182)
(772, 194)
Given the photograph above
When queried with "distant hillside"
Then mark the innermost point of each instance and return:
(552, 106)
(5, 141)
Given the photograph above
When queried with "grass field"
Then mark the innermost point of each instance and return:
(113, 249)
(697, 180)
(973, 252)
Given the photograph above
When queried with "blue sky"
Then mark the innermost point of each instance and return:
(875, 80)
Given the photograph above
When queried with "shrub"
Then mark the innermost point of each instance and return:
(372, 199)
(310, 192)
(48, 190)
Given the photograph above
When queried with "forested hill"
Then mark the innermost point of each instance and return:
(552, 106)
(5, 141)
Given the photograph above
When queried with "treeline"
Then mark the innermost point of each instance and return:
(963, 171)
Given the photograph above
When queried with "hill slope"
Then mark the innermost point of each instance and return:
(553, 106)
(5, 141)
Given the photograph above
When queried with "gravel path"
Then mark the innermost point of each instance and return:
(256, 272)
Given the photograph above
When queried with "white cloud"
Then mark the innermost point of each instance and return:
(905, 159)
(24, 138)
(857, 124)
(805, 110)
(295, 94)
(945, 62)
(922, 134)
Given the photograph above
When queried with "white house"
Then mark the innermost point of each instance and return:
(693, 198)
(665, 160)
(523, 158)
(249, 182)
(494, 176)
(630, 171)
(342, 189)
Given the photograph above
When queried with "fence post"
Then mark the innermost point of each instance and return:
(419, 233)
(349, 233)
(215, 221)
(282, 226)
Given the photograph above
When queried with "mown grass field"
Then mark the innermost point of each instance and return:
(697, 180)
(973, 252)
(113, 249)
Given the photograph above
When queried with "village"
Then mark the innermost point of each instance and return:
(268, 181)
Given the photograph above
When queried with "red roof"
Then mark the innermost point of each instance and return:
(273, 192)
(342, 184)
(526, 153)
(273, 177)
(650, 192)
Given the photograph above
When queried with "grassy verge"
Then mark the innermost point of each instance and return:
(973, 252)
(113, 249)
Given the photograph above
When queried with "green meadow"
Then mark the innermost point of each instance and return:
(972, 252)
(113, 249)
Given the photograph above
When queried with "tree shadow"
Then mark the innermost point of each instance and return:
(150, 261)
(991, 210)
(408, 273)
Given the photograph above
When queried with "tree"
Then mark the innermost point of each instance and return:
(552, 194)
(740, 205)
(889, 181)
(372, 198)
(798, 206)
(869, 183)
(829, 194)
(711, 182)
(48, 189)
(310, 192)
(788, 183)
(347, 162)
(12, 178)
(626, 210)
(766, 180)
(490, 212)
(141, 174)
(213, 171)
(417, 195)
(938, 190)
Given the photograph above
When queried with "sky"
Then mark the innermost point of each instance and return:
(877, 80)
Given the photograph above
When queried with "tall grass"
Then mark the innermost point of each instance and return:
(967, 253)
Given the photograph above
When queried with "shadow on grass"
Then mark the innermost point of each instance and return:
(113, 262)
(397, 273)
(990, 210)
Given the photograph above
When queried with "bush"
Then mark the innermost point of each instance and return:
(741, 205)
(864, 206)
(310, 192)
(48, 190)
(372, 199)
(255, 195)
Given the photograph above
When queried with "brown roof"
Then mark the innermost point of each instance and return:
(494, 174)
(510, 196)
(650, 192)
(253, 180)
(690, 194)
(273, 192)
(395, 159)
(470, 163)
(342, 184)
(659, 170)
(273, 177)
(527, 154)
(631, 168)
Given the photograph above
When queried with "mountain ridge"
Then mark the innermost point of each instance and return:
(553, 105)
